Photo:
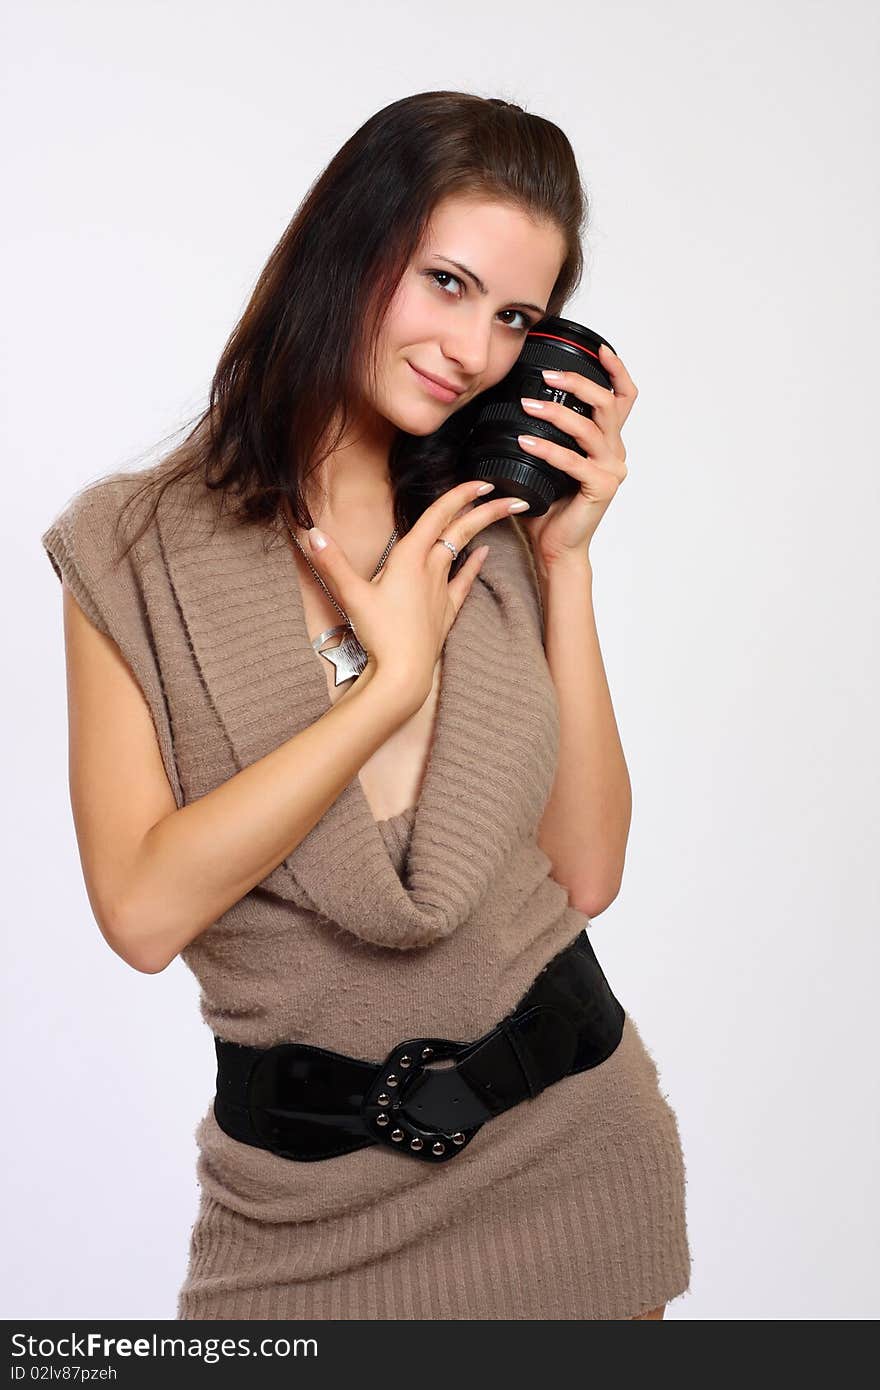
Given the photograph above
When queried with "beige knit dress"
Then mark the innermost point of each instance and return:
(435, 922)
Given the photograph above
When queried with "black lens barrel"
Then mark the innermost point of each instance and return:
(491, 449)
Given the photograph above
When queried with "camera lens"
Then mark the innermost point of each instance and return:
(491, 449)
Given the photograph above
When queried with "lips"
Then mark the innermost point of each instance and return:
(436, 386)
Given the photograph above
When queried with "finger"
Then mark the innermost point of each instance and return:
(441, 513)
(463, 528)
(461, 585)
(600, 440)
(590, 392)
(591, 470)
(580, 428)
(332, 564)
(620, 377)
(468, 507)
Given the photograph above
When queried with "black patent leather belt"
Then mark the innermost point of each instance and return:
(303, 1102)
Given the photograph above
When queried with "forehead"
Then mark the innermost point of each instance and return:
(495, 239)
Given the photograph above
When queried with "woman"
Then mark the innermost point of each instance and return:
(397, 835)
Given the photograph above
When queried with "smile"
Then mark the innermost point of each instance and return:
(441, 393)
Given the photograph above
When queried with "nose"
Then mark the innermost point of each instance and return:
(468, 345)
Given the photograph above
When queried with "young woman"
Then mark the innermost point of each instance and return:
(367, 783)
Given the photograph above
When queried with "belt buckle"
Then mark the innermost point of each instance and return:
(405, 1070)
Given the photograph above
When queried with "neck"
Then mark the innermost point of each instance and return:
(352, 486)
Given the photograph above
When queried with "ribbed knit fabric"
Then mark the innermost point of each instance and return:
(434, 922)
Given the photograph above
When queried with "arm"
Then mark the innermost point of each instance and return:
(158, 876)
(586, 822)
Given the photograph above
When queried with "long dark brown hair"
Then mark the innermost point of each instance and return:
(292, 362)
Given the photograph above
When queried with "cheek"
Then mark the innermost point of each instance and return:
(411, 318)
(501, 360)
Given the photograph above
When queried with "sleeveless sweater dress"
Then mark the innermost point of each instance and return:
(435, 922)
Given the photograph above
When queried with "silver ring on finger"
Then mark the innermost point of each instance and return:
(449, 546)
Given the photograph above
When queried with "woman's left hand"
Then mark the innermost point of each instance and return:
(568, 525)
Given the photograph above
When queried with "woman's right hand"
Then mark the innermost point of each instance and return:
(403, 615)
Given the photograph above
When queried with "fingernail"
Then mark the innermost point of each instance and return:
(530, 404)
(485, 487)
(518, 506)
(551, 376)
(317, 539)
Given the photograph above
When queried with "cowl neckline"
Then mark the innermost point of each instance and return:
(401, 818)
(487, 776)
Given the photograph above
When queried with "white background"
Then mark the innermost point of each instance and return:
(154, 155)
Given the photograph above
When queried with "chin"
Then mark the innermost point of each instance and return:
(421, 422)
(422, 429)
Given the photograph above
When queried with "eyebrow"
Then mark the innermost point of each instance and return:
(518, 304)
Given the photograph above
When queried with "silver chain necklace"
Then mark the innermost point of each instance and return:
(348, 657)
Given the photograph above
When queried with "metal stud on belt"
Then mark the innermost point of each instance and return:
(441, 1096)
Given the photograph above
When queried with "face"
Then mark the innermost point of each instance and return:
(442, 323)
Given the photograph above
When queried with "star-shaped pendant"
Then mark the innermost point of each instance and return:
(348, 658)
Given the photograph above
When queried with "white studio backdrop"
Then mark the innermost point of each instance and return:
(154, 154)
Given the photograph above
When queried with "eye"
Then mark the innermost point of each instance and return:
(526, 324)
(435, 275)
